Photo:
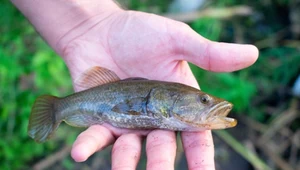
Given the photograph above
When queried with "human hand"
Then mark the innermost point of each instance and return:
(135, 44)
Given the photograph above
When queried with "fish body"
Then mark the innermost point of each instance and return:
(132, 103)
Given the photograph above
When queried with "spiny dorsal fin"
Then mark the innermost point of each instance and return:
(135, 78)
(95, 76)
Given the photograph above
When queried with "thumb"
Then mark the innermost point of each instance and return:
(209, 55)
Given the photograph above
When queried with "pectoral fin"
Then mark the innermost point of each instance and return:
(95, 76)
(135, 106)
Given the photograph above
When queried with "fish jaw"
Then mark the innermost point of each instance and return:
(220, 109)
(216, 117)
(221, 122)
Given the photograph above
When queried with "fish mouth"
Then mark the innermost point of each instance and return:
(221, 109)
(216, 119)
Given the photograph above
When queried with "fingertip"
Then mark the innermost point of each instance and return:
(254, 52)
(79, 153)
(90, 141)
(248, 52)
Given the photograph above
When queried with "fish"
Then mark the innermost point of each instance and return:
(133, 103)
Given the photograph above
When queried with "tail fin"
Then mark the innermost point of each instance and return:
(42, 122)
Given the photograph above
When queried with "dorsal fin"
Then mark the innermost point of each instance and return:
(95, 76)
(135, 78)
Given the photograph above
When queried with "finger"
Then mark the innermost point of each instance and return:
(88, 142)
(199, 149)
(120, 131)
(213, 56)
(161, 150)
(126, 152)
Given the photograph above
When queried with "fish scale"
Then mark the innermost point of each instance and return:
(134, 103)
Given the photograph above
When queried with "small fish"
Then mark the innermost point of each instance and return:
(134, 103)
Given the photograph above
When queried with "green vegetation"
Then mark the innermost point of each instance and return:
(28, 68)
(260, 94)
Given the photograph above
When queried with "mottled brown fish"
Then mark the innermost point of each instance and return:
(134, 103)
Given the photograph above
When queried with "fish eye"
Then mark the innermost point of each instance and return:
(204, 99)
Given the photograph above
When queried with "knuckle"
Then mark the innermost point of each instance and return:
(123, 167)
(156, 142)
(201, 166)
(160, 164)
(124, 148)
(86, 137)
(196, 144)
(128, 144)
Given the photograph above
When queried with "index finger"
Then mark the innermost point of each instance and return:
(91, 140)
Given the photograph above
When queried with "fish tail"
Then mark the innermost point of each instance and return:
(42, 121)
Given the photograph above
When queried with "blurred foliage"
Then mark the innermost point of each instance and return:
(234, 87)
(29, 68)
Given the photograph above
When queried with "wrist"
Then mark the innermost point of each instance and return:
(53, 19)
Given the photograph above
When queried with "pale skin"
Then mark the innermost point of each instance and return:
(133, 44)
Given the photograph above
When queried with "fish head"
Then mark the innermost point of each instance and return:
(203, 111)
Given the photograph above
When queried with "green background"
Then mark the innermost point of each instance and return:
(261, 94)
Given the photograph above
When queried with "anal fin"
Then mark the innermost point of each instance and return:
(82, 120)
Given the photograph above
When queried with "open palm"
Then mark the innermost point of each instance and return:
(135, 44)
